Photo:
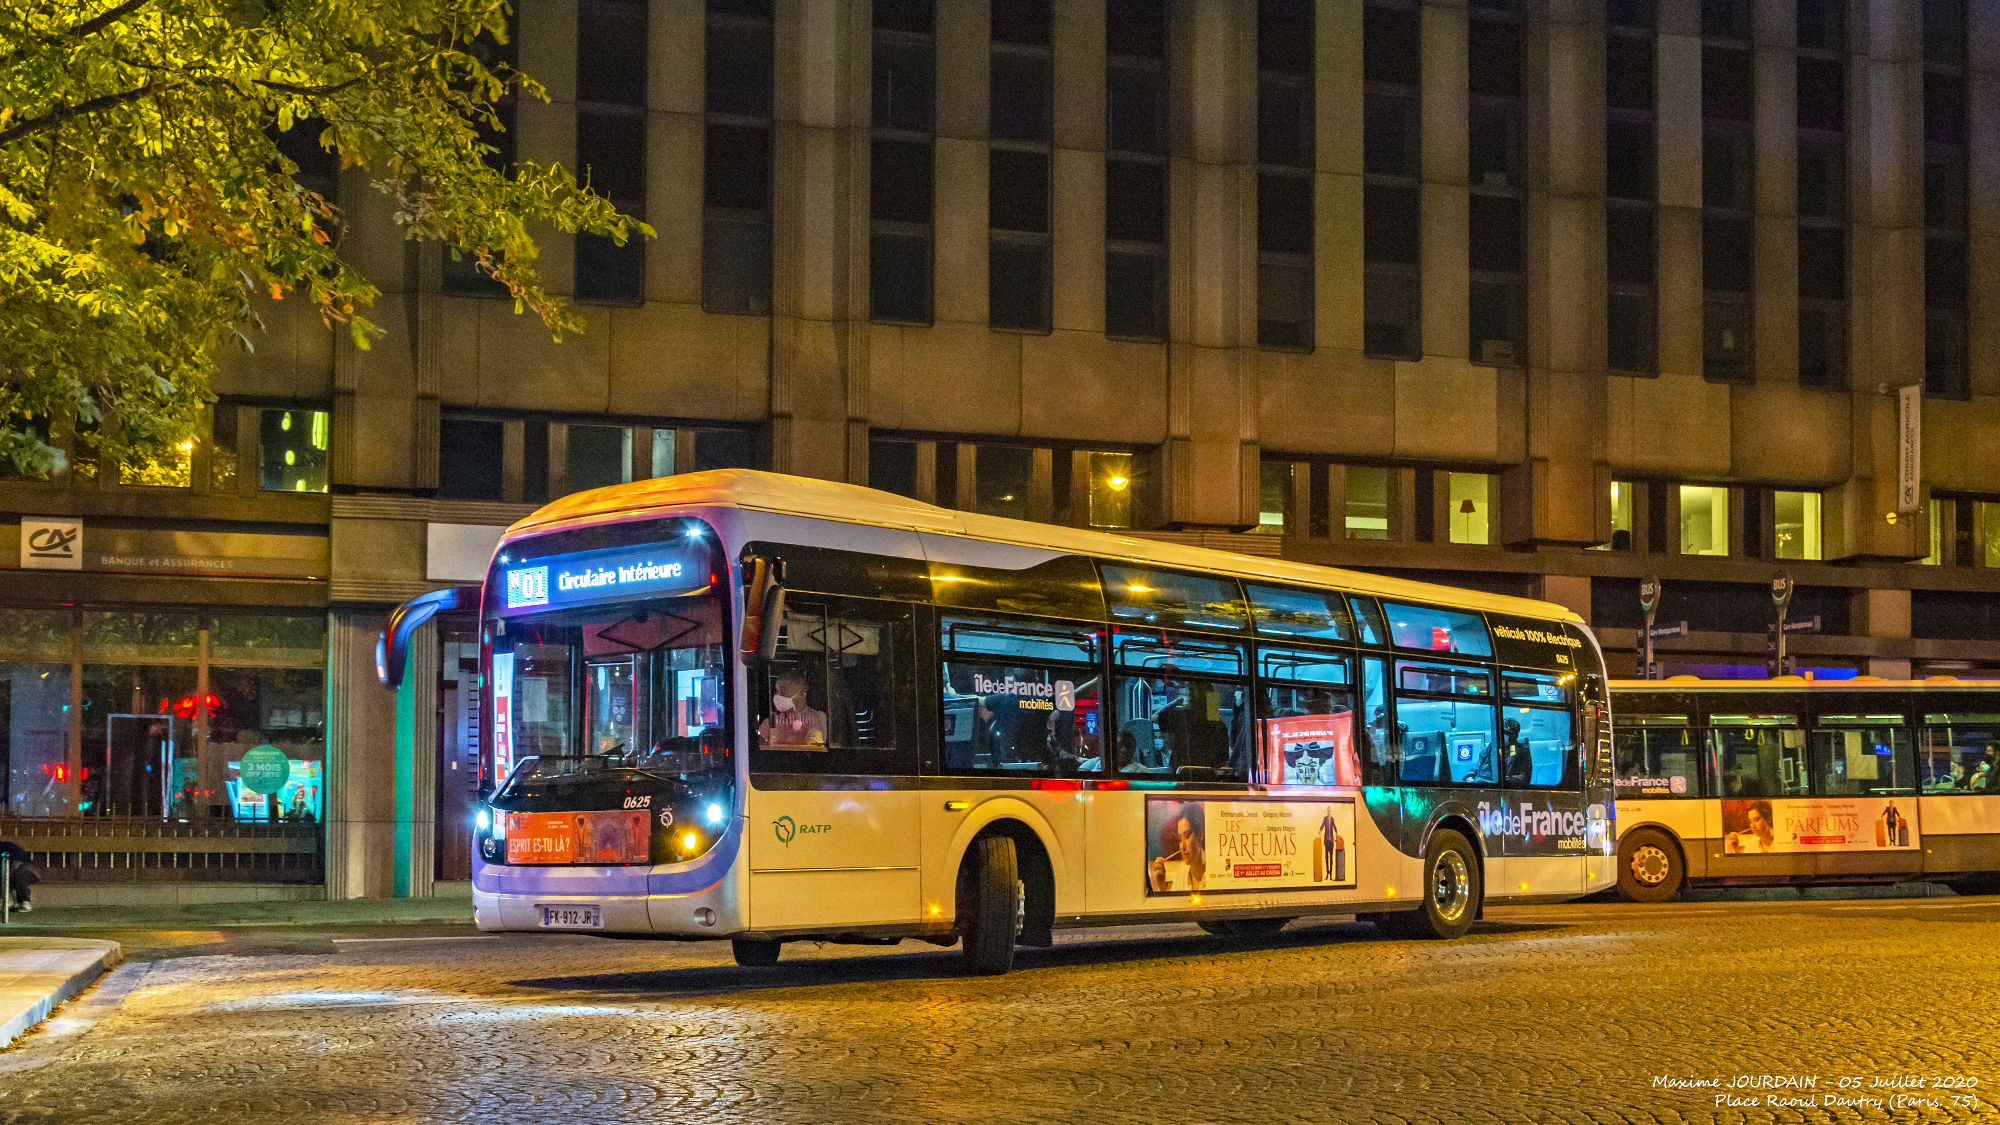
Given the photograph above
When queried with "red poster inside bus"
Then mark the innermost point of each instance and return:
(578, 837)
(1311, 750)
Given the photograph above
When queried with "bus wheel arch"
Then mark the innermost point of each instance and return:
(1652, 864)
(1034, 868)
(1464, 826)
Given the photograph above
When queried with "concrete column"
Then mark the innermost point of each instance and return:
(1774, 186)
(546, 131)
(1677, 103)
(1568, 590)
(1337, 263)
(1883, 613)
(675, 102)
(1211, 396)
(1445, 316)
(1552, 496)
(811, 337)
(360, 762)
(1982, 358)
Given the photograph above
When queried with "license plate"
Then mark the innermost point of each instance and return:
(572, 917)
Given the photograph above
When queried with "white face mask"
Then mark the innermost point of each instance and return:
(782, 702)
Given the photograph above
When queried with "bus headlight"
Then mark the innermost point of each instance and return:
(484, 820)
(715, 814)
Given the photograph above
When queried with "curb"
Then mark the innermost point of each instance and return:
(37, 977)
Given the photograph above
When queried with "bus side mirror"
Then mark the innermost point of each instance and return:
(763, 606)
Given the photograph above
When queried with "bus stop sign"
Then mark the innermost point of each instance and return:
(1781, 591)
(1649, 593)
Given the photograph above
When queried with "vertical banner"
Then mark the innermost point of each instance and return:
(503, 718)
(1909, 447)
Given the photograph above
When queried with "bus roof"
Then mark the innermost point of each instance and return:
(1800, 683)
(848, 503)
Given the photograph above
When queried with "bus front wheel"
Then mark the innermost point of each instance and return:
(1452, 890)
(1649, 867)
(752, 953)
(989, 905)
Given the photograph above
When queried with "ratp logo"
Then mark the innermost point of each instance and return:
(786, 829)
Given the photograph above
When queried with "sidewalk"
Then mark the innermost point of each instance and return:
(37, 973)
(340, 912)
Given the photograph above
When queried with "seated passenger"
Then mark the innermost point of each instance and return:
(792, 725)
(1519, 764)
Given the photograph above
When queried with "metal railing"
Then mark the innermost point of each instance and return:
(143, 849)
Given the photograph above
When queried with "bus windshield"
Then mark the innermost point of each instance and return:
(632, 685)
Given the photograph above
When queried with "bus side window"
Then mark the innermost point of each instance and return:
(1377, 749)
(828, 701)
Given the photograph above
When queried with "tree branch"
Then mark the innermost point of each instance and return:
(308, 91)
(102, 20)
(64, 114)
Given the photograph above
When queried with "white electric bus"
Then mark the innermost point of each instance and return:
(736, 704)
(1793, 782)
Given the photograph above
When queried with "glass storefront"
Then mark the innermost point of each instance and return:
(169, 716)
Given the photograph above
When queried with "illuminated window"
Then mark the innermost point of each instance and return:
(1471, 508)
(1621, 518)
(292, 450)
(1989, 534)
(1796, 527)
(1367, 515)
(1704, 520)
(1937, 538)
(1111, 490)
(1274, 497)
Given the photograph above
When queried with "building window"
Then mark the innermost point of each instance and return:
(1795, 525)
(1630, 188)
(1135, 170)
(1274, 497)
(736, 161)
(611, 142)
(1368, 491)
(1284, 175)
(1021, 87)
(1945, 186)
(902, 168)
(1498, 290)
(597, 457)
(1111, 489)
(892, 467)
(462, 274)
(291, 450)
(470, 462)
(1621, 518)
(1471, 509)
(1704, 520)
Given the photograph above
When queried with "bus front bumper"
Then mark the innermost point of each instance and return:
(515, 897)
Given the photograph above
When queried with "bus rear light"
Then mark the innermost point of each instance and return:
(1056, 784)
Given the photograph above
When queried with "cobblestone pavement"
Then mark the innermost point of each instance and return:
(1541, 1015)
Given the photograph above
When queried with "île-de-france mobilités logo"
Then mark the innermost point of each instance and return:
(51, 544)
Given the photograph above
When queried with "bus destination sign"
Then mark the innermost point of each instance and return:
(602, 576)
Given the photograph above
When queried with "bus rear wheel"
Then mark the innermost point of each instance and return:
(989, 905)
(1649, 867)
(752, 953)
(1452, 891)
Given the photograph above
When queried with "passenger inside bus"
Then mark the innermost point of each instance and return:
(792, 724)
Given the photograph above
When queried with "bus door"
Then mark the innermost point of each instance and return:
(1864, 780)
(1540, 760)
(1758, 768)
(833, 793)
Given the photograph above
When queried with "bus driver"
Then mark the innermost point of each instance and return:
(792, 724)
